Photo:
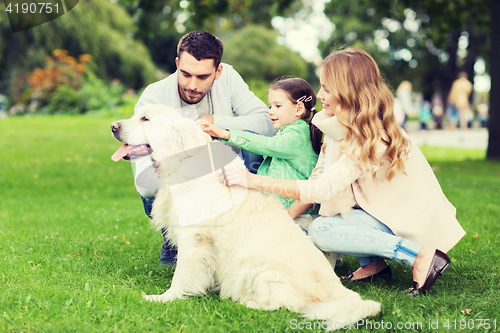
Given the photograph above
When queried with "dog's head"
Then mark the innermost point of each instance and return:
(158, 130)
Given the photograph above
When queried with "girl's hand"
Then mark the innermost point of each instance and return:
(212, 130)
(232, 175)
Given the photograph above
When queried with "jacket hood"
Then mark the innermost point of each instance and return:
(329, 125)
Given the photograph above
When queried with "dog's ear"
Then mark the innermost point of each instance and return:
(192, 135)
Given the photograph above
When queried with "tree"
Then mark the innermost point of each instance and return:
(493, 151)
(414, 40)
(448, 24)
(96, 27)
(161, 23)
(204, 13)
(158, 24)
(418, 40)
(256, 55)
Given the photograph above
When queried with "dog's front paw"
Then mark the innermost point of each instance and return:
(163, 298)
(154, 298)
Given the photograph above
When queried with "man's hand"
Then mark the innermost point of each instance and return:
(212, 130)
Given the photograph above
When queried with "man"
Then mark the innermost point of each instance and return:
(203, 87)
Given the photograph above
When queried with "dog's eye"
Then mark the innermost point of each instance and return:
(144, 119)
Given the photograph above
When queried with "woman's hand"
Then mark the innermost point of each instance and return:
(232, 175)
(238, 175)
(212, 130)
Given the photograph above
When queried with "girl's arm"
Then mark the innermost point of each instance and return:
(213, 130)
(287, 145)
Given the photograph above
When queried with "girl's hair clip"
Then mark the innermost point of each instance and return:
(304, 99)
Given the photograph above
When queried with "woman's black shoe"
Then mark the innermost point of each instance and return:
(440, 262)
(385, 274)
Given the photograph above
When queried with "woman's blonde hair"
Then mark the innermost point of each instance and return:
(365, 108)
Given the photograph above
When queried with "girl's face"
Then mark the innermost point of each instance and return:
(281, 110)
(327, 98)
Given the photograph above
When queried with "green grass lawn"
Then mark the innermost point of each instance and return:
(76, 248)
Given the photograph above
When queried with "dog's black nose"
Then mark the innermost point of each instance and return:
(115, 126)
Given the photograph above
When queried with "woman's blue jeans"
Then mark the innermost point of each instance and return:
(362, 236)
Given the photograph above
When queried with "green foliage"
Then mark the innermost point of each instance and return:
(205, 13)
(428, 29)
(67, 86)
(446, 17)
(259, 88)
(256, 55)
(161, 23)
(94, 95)
(96, 27)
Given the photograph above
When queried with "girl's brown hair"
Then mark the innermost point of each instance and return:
(365, 108)
(298, 90)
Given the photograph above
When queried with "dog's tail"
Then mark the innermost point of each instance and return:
(346, 313)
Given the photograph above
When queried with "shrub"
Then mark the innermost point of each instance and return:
(60, 69)
(67, 85)
(95, 94)
(101, 28)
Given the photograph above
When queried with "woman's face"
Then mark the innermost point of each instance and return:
(327, 98)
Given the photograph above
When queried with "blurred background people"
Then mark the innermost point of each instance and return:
(437, 110)
(459, 99)
(482, 114)
(425, 115)
(403, 104)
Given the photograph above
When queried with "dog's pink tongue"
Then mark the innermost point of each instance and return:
(122, 151)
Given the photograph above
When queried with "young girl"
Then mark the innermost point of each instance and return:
(379, 196)
(293, 152)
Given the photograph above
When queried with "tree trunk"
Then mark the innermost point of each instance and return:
(493, 151)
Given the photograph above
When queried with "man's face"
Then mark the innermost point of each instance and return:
(195, 77)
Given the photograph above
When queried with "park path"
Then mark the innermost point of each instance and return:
(473, 138)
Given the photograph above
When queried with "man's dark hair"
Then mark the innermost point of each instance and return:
(201, 45)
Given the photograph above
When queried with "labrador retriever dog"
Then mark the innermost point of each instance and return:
(242, 241)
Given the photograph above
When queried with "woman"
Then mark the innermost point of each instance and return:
(379, 196)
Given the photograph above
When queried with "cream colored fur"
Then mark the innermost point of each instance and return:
(254, 252)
